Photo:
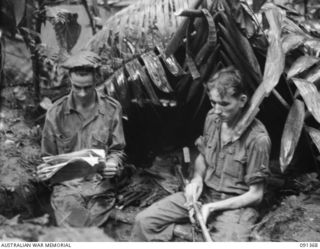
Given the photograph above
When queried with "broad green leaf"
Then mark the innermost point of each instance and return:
(313, 76)
(156, 71)
(312, 26)
(313, 47)
(146, 23)
(19, 7)
(137, 71)
(301, 64)
(310, 95)
(66, 27)
(239, 41)
(171, 63)
(292, 41)
(315, 136)
(273, 70)
(291, 133)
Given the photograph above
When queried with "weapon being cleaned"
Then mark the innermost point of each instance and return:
(199, 217)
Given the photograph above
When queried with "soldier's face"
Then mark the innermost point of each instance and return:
(227, 107)
(83, 86)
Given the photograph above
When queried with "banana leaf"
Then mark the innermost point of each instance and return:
(310, 95)
(134, 81)
(232, 34)
(137, 70)
(292, 41)
(313, 47)
(156, 71)
(273, 70)
(171, 63)
(289, 26)
(66, 27)
(241, 14)
(291, 133)
(315, 136)
(313, 76)
(211, 39)
(120, 86)
(189, 61)
(311, 26)
(179, 33)
(301, 64)
(236, 58)
(146, 23)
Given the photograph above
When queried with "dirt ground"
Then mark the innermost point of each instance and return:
(24, 202)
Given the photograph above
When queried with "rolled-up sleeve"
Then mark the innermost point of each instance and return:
(117, 143)
(258, 160)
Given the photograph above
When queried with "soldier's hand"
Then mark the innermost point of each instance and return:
(42, 172)
(206, 209)
(109, 168)
(193, 191)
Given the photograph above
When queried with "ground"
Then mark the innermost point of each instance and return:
(24, 203)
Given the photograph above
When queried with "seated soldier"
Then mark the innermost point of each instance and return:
(84, 119)
(228, 177)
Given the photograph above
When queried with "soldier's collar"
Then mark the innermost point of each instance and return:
(70, 106)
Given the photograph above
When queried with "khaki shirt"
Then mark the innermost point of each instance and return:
(232, 168)
(65, 129)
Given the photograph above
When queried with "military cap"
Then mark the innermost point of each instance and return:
(83, 59)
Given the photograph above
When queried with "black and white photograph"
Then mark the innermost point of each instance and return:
(159, 121)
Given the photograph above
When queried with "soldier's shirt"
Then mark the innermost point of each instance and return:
(65, 129)
(234, 166)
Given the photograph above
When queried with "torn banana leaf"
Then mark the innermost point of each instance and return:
(66, 27)
(109, 87)
(312, 26)
(156, 71)
(301, 64)
(189, 53)
(121, 88)
(289, 26)
(235, 37)
(273, 70)
(313, 47)
(134, 81)
(211, 39)
(242, 17)
(315, 136)
(145, 23)
(179, 33)
(313, 76)
(137, 71)
(310, 95)
(171, 63)
(235, 58)
(292, 41)
(291, 133)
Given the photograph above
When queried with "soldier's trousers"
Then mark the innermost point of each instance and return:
(157, 222)
(82, 203)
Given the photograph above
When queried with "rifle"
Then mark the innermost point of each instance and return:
(199, 217)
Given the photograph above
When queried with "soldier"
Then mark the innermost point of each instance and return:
(229, 175)
(84, 119)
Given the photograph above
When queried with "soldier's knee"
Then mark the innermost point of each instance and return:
(142, 219)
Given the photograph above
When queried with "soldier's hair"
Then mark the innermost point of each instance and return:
(227, 81)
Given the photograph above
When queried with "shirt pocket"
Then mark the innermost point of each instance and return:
(209, 155)
(66, 144)
(100, 140)
(235, 166)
